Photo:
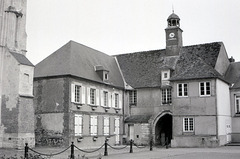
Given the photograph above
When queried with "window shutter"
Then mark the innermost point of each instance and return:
(88, 95)
(93, 125)
(72, 92)
(97, 96)
(83, 95)
(78, 124)
(109, 100)
(102, 98)
(120, 101)
(113, 100)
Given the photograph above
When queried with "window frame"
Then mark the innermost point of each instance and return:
(105, 98)
(78, 125)
(116, 100)
(133, 97)
(106, 126)
(237, 104)
(205, 90)
(92, 126)
(182, 89)
(190, 128)
(79, 99)
(92, 96)
(166, 96)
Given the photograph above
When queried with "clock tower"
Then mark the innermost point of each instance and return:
(173, 35)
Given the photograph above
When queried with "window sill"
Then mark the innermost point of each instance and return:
(133, 104)
(94, 107)
(106, 108)
(117, 109)
(237, 115)
(77, 103)
(166, 103)
(205, 96)
(188, 133)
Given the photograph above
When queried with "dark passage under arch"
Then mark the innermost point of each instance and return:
(163, 130)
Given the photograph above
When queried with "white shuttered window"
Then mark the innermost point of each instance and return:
(77, 93)
(106, 126)
(78, 125)
(93, 125)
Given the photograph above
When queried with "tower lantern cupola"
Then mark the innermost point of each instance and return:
(173, 20)
(173, 35)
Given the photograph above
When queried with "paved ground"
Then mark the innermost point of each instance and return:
(227, 152)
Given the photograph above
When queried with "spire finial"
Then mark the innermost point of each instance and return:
(172, 8)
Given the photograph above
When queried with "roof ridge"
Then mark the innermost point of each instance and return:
(220, 42)
(71, 41)
(139, 52)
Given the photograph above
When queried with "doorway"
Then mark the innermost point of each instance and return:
(163, 130)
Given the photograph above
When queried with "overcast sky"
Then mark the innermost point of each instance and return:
(124, 26)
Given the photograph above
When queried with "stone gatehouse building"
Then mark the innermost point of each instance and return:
(184, 95)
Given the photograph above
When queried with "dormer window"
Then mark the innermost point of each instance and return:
(102, 72)
(105, 75)
(165, 75)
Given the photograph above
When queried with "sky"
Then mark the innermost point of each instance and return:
(126, 26)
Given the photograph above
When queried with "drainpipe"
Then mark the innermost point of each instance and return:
(216, 109)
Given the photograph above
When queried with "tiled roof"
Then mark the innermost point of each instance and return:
(21, 59)
(78, 60)
(197, 62)
(233, 74)
(173, 16)
(143, 69)
(137, 119)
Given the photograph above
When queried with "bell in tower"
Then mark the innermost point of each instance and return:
(173, 35)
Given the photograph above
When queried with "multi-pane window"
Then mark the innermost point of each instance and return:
(165, 75)
(182, 90)
(78, 125)
(166, 96)
(205, 88)
(92, 96)
(106, 126)
(77, 93)
(116, 101)
(237, 104)
(93, 125)
(105, 98)
(133, 97)
(188, 124)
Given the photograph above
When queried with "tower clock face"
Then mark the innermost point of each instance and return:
(171, 35)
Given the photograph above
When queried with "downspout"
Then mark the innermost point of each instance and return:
(216, 109)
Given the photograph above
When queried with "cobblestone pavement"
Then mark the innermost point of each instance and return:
(227, 152)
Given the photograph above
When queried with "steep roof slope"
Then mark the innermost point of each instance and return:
(78, 60)
(143, 69)
(22, 59)
(233, 74)
(197, 62)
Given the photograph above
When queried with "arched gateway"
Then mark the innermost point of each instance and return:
(162, 128)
